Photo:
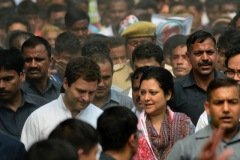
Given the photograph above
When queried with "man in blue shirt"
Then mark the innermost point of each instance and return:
(37, 55)
(15, 104)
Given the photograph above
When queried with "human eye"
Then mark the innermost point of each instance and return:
(218, 102)
(106, 77)
(198, 53)
(81, 91)
(7, 79)
(91, 93)
(153, 92)
(175, 57)
(28, 59)
(233, 101)
(142, 92)
(230, 73)
(39, 59)
(210, 52)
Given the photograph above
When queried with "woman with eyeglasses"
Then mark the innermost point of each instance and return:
(160, 127)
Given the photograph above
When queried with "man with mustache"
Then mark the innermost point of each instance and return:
(37, 55)
(190, 90)
(232, 63)
(15, 104)
(80, 83)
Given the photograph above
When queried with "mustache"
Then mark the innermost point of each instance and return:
(3, 91)
(33, 69)
(205, 63)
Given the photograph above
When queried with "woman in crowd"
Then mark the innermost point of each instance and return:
(159, 126)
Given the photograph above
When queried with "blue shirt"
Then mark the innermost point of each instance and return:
(116, 98)
(11, 122)
(51, 92)
(11, 149)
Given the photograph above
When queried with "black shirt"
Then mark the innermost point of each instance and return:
(188, 97)
(12, 122)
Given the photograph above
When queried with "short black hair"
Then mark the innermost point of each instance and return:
(17, 19)
(199, 36)
(33, 41)
(115, 129)
(93, 47)
(51, 150)
(82, 67)
(221, 82)
(13, 38)
(11, 59)
(147, 51)
(229, 38)
(77, 132)
(172, 43)
(74, 15)
(55, 8)
(114, 42)
(231, 53)
(67, 42)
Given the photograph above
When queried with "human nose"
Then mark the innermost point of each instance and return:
(179, 60)
(119, 60)
(86, 97)
(236, 77)
(2, 84)
(204, 56)
(33, 63)
(225, 107)
(147, 97)
(101, 83)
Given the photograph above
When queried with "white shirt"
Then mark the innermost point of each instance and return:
(202, 121)
(43, 120)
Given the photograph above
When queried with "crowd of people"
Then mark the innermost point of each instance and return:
(104, 80)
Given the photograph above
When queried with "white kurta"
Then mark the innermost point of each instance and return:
(43, 120)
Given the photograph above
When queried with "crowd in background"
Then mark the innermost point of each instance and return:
(88, 73)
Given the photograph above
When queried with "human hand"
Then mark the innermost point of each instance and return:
(208, 151)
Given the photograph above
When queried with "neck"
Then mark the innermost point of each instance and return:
(119, 155)
(100, 101)
(228, 135)
(203, 81)
(39, 84)
(16, 102)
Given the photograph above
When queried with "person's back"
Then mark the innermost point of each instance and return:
(11, 149)
(81, 135)
(118, 133)
(51, 150)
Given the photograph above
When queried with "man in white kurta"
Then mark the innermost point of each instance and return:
(80, 83)
(42, 121)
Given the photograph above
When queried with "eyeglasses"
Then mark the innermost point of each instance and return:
(231, 73)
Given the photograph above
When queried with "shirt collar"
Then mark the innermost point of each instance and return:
(189, 81)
